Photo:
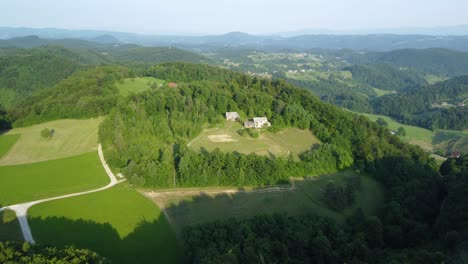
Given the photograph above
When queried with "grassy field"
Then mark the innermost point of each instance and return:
(226, 138)
(118, 223)
(6, 142)
(380, 92)
(451, 141)
(137, 85)
(414, 135)
(72, 137)
(9, 227)
(28, 182)
(185, 208)
(443, 140)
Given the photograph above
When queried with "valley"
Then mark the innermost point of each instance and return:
(123, 153)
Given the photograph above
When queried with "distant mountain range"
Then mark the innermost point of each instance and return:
(292, 40)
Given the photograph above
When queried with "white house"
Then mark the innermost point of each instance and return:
(258, 122)
(232, 116)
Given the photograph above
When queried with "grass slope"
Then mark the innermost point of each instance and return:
(9, 227)
(415, 135)
(6, 142)
(281, 143)
(119, 224)
(28, 182)
(185, 208)
(137, 85)
(72, 137)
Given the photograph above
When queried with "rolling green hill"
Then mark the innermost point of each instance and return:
(431, 106)
(71, 137)
(386, 77)
(85, 94)
(29, 182)
(440, 62)
(119, 224)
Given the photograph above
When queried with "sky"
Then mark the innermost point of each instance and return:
(221, 16)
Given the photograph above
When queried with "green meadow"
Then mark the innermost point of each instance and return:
(226, 138)
(71, 138)
(205, 206)
(28, 182)
(445, 141)
(138, 85)
(118, 223)
(6, 142)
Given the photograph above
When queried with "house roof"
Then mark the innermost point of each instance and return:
(172, 85)
(232, 114)
(260, 119)
(456, 154)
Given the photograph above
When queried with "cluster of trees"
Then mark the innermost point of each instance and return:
(145, 135)
(47, 133)
(338, 197)
(5, 123)
(386, 77)
(85, 94)
(15, 252)
(414, 106)
(300, 239)
(408, 229)
(452, 224)
(439, 62)
(353, 96)
(24, 71)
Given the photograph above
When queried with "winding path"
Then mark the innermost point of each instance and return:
(21, 209)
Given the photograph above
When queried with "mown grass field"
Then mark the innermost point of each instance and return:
(9, 227)
(414, 135)
(28, 182)
(137, 85)
(185, 208)
(71, 138)
(281, 143)
(6, 142)
(443, 140)
(118, 223)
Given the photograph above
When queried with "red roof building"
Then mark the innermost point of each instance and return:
(172, 85)
(455, 154)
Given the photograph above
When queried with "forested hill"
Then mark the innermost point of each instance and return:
(440, 62)
(25, 71)
(106, 52)
(146, 135)
(386, 77)
(425, 106)
(85, 94)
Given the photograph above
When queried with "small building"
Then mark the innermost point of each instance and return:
(455, 154)
(258, 122)
(172, 85)
(232, 116)
(249, 124)
(261, 122)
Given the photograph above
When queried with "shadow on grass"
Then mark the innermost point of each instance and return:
(9, 226)
(293, 199)
(150, 242)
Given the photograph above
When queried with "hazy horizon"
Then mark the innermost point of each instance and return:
(222, 16)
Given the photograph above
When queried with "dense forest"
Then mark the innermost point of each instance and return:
(85, 94)
(435, 61)
(23, 72)
(14, 252)
(386, 77)
(416, 106)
